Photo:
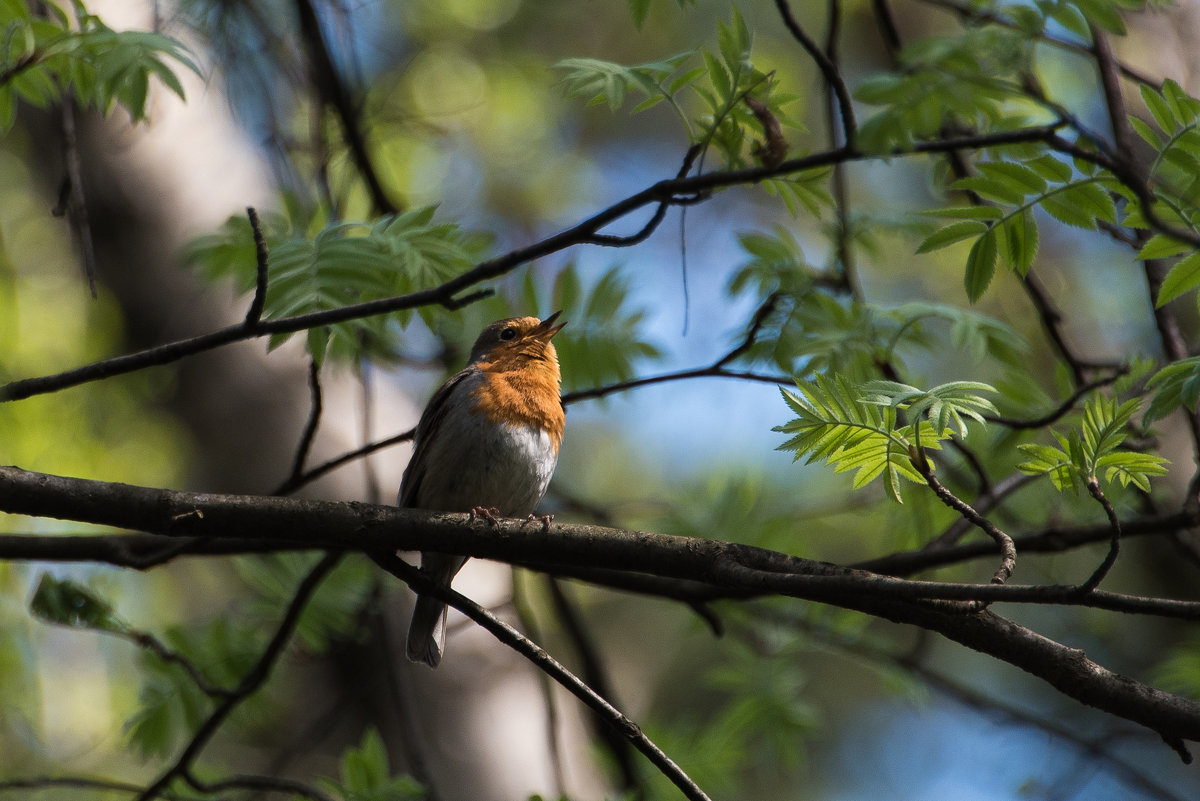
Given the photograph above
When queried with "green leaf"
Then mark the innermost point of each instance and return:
(1018, 177)
(735, 41)
(981, 266)
(1183, 277)
(954, 232)
(1070, 18)
(1128, 468)
(1050, 168)
(1162, 246)
(1091, 452)
(1102, 13)
(1048, 460)
(67, 603)
(344, 263)
(1080, 205)
(946, 406)
(365, 774)
(967, 212)
(1159, 109)
(836, 424)
(1177, 384)
(638, 9)
(999, 190)
(1019, 240)
(1146, 132)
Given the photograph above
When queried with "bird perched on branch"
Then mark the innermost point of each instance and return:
(487, 443)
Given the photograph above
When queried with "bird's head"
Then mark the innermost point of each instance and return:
(517, 342)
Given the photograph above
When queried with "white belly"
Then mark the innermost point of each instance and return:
(506, 467)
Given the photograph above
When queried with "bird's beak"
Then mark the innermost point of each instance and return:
(547, 329)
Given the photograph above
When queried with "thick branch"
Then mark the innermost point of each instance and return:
(735, 567)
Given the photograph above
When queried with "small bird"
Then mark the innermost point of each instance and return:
(487, 443)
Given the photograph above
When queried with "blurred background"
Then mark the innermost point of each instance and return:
(461, 106)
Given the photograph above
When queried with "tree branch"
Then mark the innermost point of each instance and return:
(739, 568)
(261, 271)
(828, 68)
(333, 92)
(1114, 545)
(671, 191)
(249, 684)
(420, 582)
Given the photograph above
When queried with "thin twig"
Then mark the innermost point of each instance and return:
(1114, 545)
(828, 69)
(73, 203)
(978, 15)
(250, 682)
(1062, 409)
(674, 191)
(421, 583)
(79, 783)
(1008, 551)
(983, 504)
(261, 260)
(314, 420)
(307, 477)
(329, 83)
(913, 663)
(888, 31)
(596, 676)
(153, 644)
(259, 784)
(841, 193)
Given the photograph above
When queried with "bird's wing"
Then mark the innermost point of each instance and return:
(431, 420)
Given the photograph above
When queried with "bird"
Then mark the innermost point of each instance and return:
(487, 443)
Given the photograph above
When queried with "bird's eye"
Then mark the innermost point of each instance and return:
(508, 333)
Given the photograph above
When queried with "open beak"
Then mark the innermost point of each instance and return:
(547, 329)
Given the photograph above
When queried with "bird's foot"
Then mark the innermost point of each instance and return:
(488, 513)
(545, 520)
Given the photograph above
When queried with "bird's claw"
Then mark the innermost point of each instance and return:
(488, 513)
(545, 520)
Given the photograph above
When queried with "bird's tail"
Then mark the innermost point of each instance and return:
(427, 632)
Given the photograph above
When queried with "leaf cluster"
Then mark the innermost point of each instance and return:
(816, 328)
(858, 427)
(364, 774)
(1002, 225)
(44, 56)
(721, 82)
(960, 82)
(1083, 455)
(1174, 175)
(316, 264)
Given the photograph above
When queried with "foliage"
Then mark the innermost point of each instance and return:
(722, 83)
(1178, 384)
(847, 282)
(1042, 182)
(962, 81)
(67, 603)
(857, 427)
(316, 264)
(1092, 451)
(46, 55)
(364, 775)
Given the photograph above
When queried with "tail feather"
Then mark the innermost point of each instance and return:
(427, 632)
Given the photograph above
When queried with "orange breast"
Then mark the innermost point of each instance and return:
(529, 396)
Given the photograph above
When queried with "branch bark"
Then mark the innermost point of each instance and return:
(739, 569)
